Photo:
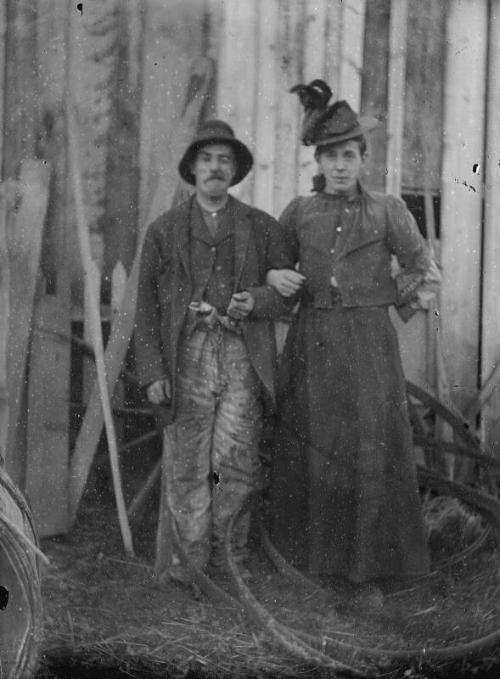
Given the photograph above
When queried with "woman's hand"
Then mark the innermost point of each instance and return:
(286, 281)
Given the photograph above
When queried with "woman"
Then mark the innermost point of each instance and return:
(344, 494)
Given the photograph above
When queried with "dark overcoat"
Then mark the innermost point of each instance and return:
(165, 291)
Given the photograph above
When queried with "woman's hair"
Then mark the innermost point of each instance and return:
(361, 139)
(318, 180)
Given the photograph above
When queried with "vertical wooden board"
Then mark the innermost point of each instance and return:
(313, 66)
(374, 88)
(396, 95)
(93, 55)
(122, 163)
(3, 31)
(20, 94)
(351, 60)
(24, 243)
(333, 46)
(48, 422)
(172, 39)
(462, 193)
(423, 129)
(269, 89)
(237, 85)
(4, 325)
(490, 320)
(289, 111)
(47, 456)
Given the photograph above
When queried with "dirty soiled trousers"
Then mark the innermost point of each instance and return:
(212, 460)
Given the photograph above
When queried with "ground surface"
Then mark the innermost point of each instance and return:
(106, 616)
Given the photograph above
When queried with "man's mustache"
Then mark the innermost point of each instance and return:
(216, 175)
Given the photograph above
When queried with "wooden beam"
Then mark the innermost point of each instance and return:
(47, 454)
(374, 88)
(6, 203)
(47, 436)
(490, 321)
(313, 41)
(237, 86)
(396, 95)
(24, 254)
(461, 215)
(423, 128)
(288, 111)
(171, 41)
(351, 63)
(333, 46)
(266, 105)
(21, 85)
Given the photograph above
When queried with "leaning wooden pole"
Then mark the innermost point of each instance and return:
(96, 331)
(4, 325)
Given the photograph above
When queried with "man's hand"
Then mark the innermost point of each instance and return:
(241, 305)
(159, 392)
(286, 281)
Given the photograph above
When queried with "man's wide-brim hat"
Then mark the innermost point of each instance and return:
(216, 132)
(324, 125)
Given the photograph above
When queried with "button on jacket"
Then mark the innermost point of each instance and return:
(166, 289)
(372, 227)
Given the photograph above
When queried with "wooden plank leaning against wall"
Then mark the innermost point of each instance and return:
(461, 207)
(18, 143)
(491, 247)
(48, 413)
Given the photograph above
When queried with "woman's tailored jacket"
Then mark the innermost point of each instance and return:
(166, 288)
(361, 257)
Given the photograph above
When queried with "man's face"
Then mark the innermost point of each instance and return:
(214, 168)
(341, 164)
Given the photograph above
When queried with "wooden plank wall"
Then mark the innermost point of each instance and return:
(48, 445)
(266, 47)
(491, 258)
(128, 66)
(461, 213)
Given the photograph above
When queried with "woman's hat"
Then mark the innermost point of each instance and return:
(323, 124)
(216, 132)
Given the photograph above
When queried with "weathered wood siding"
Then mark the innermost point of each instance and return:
(491, 262)
(427, 70)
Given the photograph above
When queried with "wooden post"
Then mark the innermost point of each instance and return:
(91, 271)
(5, 190)
(490, 321)
(313, 40)
(268, 92)
(288, 111)
(374, 88)
(396, 95)
(351, 63)
(47, 445)
(461, 216)
(24, 254)
(237, 85)
(171, 42)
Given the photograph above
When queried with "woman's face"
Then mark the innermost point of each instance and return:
(341, 164)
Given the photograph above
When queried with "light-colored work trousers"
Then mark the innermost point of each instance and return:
(211, 463)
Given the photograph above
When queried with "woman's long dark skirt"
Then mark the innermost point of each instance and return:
(344, 495)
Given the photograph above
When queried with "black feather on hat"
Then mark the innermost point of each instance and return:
(323, 124)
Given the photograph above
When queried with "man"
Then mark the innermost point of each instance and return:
(205, 345)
